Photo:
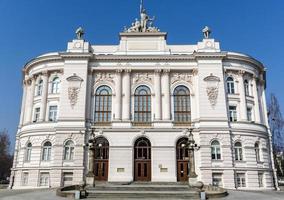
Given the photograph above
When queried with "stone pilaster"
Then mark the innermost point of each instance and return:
(166, 105)
(157, 85)
(25, 85)
(243, 104)
(256, 101)
(44, 96)
(118, 95)
(90, 177)
(126, 89)
(31, 100)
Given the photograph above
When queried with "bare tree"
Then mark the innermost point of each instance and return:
(276, 124)
(5, 158)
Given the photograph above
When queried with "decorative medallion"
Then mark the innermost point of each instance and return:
(212, 89)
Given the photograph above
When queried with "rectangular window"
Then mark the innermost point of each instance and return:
(260, 179)
(67, 178)
(52, 113)
(217, 179)
(25, 178)
(44, 179)
(36, 114)
(241, 180)
(233, 113)
(249, 114)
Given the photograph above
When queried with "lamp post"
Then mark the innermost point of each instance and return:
(192, 176)
(90, 177)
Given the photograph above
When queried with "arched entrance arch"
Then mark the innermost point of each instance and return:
(142, 160)
(101, 152)
(182, 157)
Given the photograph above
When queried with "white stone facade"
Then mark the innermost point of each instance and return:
(143, 59)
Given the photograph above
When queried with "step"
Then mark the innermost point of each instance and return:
(141, 188)
(143, 194)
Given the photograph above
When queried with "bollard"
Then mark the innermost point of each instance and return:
(202, 195)
(77, 194)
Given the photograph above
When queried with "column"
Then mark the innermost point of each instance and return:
(157, 85)
(243, 103)
(44, 96)
(256, 102)
(23, 102)
(118, 106)
(264, 103)
(31, 100)
(126, 88)
(167, 95)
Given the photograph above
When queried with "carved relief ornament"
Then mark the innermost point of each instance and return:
(142, 77)
(181, 77)
(74, 87)
(212, 89)
(104, 76)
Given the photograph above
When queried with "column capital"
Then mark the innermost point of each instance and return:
(241, 72)
(127, 70)
(166, 71)
(194, 71)
(118, 71)
(45, 73)
(157, 71)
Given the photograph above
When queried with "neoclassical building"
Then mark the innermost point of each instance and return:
(138, 101)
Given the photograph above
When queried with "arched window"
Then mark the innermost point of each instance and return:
(238, 151)
(230, 85)
(55, 85)
(103, 104)
(182, 110)
(215, 150)
(46, 151)
(101, 148)
(28, 152)
(257, 151)
(142, 149)
(39, 88)
(69, 150)
(246, 84)
(142, 104)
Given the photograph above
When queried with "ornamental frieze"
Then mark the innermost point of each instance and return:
(142, 77)
(181, 77)
(104, 76)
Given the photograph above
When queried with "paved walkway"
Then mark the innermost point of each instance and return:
(49, 194)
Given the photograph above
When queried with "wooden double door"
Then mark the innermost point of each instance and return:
(182, 160)
(101, 159)
(142, 160)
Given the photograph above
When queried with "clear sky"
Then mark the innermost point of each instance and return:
(33, 27)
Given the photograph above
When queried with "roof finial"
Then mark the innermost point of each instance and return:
(141, 6)
(206, 32)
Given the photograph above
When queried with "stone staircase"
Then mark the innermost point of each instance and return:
(142, 190)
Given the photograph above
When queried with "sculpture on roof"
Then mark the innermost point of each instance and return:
(80, 32)
(206, 32)
(144, 25)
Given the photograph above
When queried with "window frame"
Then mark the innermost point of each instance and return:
(103, 105)
(230, 85)
(238, 150)
(233, 114)
(142, 105)
(28, 152)
(55, 85)
(215, 148)
(246, 86)
(181, 104)
(69, 149)
(46, 151)
(36, 114)
(53, 114)
(241, 180)
(39, 88)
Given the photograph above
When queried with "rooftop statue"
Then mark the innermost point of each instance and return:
(144, 25)
(206, 32)
(80, 32)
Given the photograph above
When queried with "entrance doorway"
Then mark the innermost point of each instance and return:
(182, 160)
(142, 160)
(101, 159)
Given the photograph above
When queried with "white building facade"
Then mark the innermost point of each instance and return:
(139, 100)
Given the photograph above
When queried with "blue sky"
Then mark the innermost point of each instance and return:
(33, 27)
